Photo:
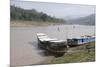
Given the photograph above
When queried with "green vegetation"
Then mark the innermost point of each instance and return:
(19, 14)
(77, 54)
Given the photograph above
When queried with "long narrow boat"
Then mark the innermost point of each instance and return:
(52, 45)
(80, 40)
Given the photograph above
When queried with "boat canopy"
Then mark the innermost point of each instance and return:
(41, 34)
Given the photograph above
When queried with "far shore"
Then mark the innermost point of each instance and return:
(32, 23)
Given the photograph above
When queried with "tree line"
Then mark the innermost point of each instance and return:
(31, 15)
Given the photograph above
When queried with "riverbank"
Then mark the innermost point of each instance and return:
(77, 55)
(33, 23)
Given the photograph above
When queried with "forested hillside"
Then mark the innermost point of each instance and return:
(87, 20)
(31, 15)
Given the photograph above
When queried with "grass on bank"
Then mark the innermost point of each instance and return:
(78, 54)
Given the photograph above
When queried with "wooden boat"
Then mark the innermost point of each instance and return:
(80, 41)
(52, 45)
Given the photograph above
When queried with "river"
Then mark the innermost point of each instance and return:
(23, 42)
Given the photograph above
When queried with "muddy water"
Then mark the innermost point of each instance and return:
(24, 43)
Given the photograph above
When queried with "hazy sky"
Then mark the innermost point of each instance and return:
(57, 9)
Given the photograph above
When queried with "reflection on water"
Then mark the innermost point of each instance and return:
(24, 42)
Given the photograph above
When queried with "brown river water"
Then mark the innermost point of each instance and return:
(23, 46)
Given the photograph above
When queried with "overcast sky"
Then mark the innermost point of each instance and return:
(58, 10)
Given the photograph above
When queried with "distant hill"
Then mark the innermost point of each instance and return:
(31, 15)
(87, 20)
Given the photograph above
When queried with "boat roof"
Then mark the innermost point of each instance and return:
(41, 34)
(43, 37)
(56, 41)
(47, 39)
(82, 37)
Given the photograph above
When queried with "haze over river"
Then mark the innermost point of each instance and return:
(24, 41)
